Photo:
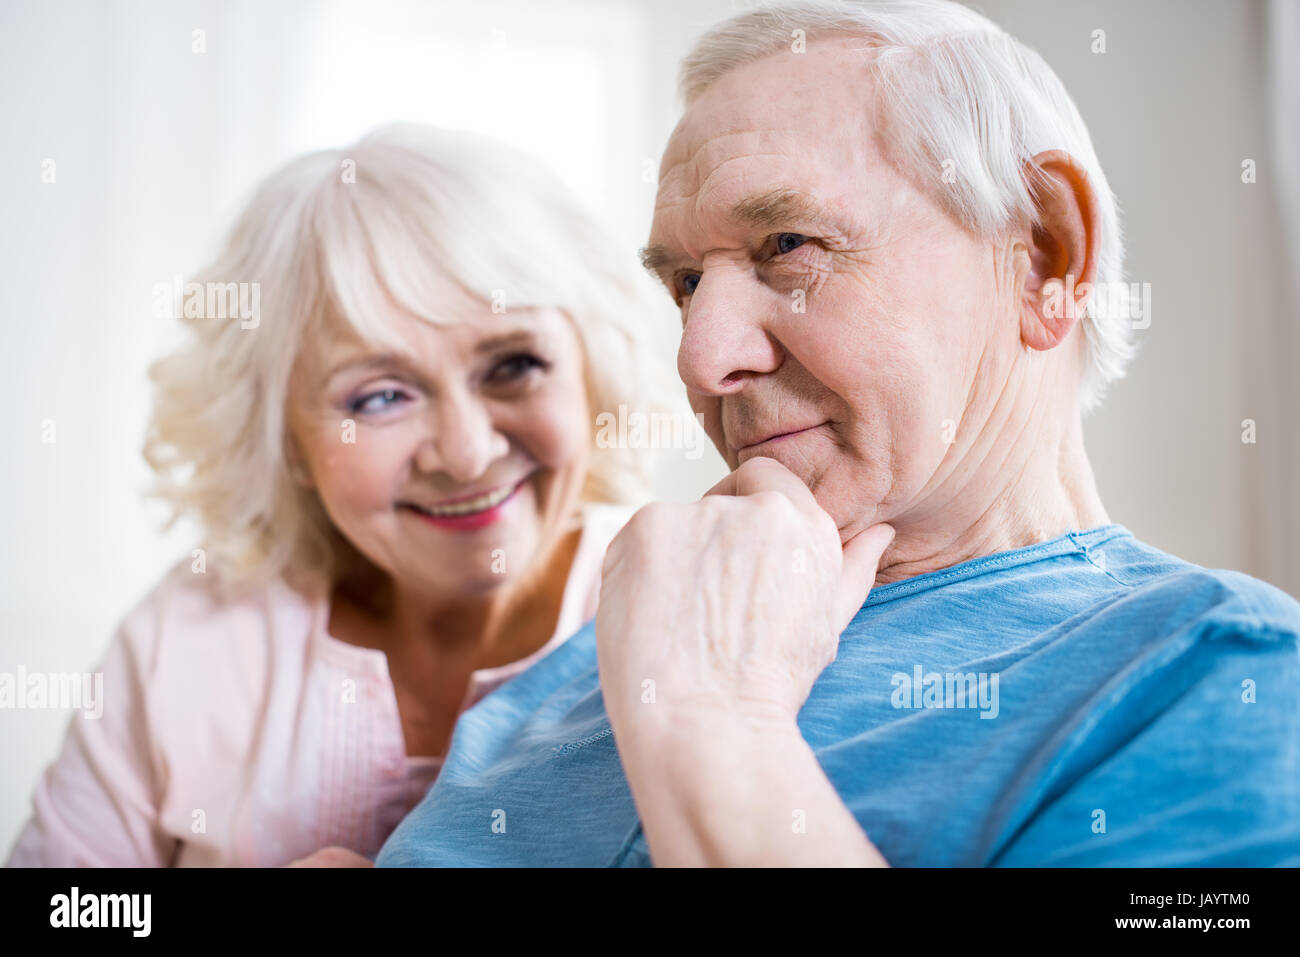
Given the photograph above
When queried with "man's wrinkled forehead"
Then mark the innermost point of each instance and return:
(788, 120)
(826, 86)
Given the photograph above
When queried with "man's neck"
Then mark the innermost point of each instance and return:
(1042, 490)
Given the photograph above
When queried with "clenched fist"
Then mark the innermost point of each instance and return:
(729, 608)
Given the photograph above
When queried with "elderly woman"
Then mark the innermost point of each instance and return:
(403, 506)
(867, 231)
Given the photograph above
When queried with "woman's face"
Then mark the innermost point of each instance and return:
(454, 465)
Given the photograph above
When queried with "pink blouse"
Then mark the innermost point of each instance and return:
(242, 733)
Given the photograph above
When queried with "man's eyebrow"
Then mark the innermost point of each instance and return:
(770, 210)
(654, 259)
(777, 207)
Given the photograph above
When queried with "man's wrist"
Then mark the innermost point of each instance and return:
(703, 786)
(665, 736)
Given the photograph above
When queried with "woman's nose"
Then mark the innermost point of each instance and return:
(464, 443)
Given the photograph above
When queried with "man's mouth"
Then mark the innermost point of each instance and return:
(752, 441)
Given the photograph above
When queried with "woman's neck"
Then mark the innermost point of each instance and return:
(478, 631)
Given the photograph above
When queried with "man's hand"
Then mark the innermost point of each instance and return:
(731, 606)
(715, 620)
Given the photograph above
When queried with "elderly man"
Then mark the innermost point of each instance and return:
(868, 214)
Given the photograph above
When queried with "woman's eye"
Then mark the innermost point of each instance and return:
(515, 368)
(788, 242)
(376, 401)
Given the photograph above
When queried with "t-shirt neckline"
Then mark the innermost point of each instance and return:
(1068, 543)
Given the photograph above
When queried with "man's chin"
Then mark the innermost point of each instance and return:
(800, 466)
(846, 514)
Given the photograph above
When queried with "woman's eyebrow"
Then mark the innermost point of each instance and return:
(505, 340)
(368, 361)
(516, 338)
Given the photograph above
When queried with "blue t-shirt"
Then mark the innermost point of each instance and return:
(1089, 700)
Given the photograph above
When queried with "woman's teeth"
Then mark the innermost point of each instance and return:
(470, 506)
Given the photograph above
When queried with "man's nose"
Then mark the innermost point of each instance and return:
(465, 440)
(724, 340)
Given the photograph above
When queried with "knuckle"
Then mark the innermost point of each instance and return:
(645, 520)
(766, 467)
(773, 504)
(769, 498)
(646, 529)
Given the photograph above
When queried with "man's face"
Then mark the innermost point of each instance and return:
(834, 317)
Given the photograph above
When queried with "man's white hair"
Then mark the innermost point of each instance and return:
(953, 86)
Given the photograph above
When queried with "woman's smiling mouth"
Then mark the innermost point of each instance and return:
(468, 513)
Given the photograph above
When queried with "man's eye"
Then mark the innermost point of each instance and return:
(515, 368)
(689, 283)
(377, 401)
(788, 242)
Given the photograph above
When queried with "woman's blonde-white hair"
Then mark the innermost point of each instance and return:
(408, 215)
(957, 94)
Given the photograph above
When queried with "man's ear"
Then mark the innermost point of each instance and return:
(1062, 246)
